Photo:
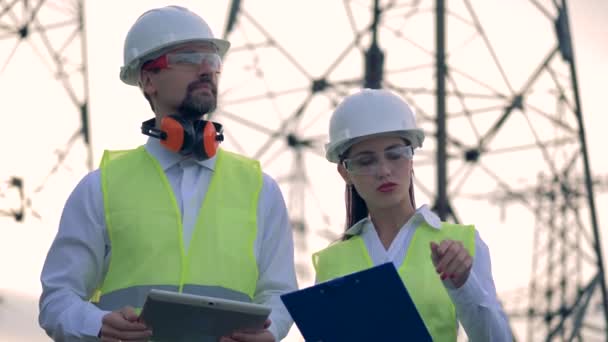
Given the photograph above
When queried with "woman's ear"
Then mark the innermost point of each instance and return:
(344, 173)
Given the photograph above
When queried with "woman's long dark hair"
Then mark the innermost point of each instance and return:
(356, 209)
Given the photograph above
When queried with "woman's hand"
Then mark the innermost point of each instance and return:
(452, 261)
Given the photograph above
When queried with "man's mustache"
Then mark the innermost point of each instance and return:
(202, 82)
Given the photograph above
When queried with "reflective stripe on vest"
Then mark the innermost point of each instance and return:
(144, 225)
(417, 272)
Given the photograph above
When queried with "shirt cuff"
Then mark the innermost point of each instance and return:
(93, 323)
(469, 293)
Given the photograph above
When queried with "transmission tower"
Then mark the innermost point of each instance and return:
(53, 31)
(501, 107)
(558, 263)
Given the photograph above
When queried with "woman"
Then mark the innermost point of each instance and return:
(373, 136)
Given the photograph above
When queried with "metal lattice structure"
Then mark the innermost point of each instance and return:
(54, 31)
(501, 108)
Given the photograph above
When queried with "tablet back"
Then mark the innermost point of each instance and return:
(185, 317)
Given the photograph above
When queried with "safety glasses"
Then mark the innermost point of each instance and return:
(368, 163)
(185, 59)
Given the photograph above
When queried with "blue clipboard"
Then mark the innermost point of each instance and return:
(370, 305)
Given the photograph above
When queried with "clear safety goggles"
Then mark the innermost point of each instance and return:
(186, 59)
(369, 163)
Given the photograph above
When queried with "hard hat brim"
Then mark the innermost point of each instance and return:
(333, 152)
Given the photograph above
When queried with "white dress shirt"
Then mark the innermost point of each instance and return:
(79, 256)
(476, 303)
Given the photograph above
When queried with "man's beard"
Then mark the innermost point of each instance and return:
(193, 107)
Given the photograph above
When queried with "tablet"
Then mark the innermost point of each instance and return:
(177, 316)
(369, 305)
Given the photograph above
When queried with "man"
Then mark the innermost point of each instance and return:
(178, 213)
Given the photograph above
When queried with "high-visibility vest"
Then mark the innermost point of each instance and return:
(145, 230)
(417, 272)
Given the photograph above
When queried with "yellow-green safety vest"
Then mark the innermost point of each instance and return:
(145, 229)
(417, 272)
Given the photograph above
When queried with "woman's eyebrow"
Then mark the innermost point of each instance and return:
(372, 152)
(362, 153)
(393, 146)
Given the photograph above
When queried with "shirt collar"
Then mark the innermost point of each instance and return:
(167, 159)
(422, 215)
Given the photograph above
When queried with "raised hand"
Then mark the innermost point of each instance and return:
(452, 261)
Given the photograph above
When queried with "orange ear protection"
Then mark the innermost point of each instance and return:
(200, 138)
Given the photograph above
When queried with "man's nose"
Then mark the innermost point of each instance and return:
(207, 68)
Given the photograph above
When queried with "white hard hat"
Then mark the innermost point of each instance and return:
(159, 29)
(366, 113)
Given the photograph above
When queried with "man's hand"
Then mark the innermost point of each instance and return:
(262, 335)
(123, 325)
(452, 261)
